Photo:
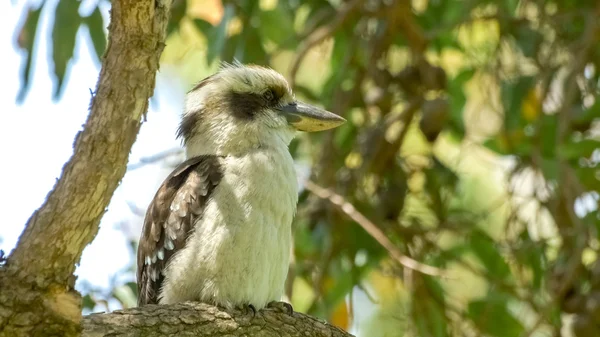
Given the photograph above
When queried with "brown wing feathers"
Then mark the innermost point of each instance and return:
(178, 203)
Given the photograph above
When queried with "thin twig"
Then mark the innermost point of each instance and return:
(372, 229)
(155, 158)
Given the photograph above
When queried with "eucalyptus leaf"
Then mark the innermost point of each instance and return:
(491, 316)
(277, 25)
(64, 33)
(178, 11)
(95, 24)
(486, 251)
(513, 93)
(458, 99)
(26, 41)
(218, 36)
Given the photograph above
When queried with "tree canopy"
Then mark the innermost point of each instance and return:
(462, 195)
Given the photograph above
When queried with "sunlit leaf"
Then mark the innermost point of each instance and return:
(340, 316)
(531, 107)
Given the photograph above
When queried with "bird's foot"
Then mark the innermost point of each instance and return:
(283, 307)
(248, 309)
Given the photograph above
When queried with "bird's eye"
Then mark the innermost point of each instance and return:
(269, 95)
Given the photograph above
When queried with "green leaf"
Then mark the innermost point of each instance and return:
(204, 26)
(126, 295)
(549, 169)
(218, 36)
(547, 127)
(340, 49)
(458, 100)
(497, 145)
(440, 176)
(581, 149)
(95, 24)
(64, 32)
(527, 39)
(428, 310)
(486, 251)
(277, 25)
(492, 317)
(344, 137)
(88, 302)
(530, 255)
(589, 114)
(513, 94)
(589, 177)
(429, 318)
(26, 41)
(511, 6)
(251, 49)
(342, 284)
(178, 11)
(230, 48)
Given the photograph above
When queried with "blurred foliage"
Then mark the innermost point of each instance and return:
(472, 143)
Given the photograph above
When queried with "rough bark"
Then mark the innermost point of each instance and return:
(198, 319)
(37, 296)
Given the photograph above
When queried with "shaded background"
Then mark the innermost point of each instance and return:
(472, 145)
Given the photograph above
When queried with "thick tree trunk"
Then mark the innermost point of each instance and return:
(37, 297)
(198, 319)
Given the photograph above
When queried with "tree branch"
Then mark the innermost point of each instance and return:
(199, 319)
(37, 281)
(372, 230)
(72, 211)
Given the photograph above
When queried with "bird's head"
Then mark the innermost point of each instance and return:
(241, 108)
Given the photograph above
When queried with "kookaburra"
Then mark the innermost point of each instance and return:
(219, 228)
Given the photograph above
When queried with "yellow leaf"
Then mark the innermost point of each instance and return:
(339, 317)
(531, 106)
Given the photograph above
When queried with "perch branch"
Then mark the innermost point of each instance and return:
(199, 319)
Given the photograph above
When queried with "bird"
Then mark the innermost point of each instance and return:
(219, 228)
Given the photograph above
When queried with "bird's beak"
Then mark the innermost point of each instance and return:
(305, 117)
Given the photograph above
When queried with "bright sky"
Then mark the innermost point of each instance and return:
(36, 140)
